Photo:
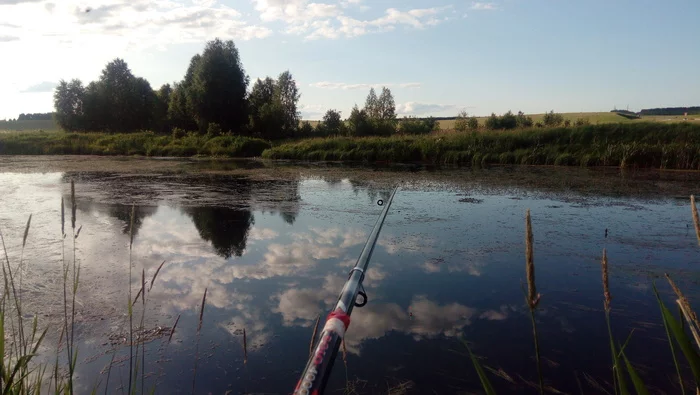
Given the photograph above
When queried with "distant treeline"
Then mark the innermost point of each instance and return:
(36, 117)
(671, 111)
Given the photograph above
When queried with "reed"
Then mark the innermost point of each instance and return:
(245, 348)
(532, 297)
(696, 219)
(199, 329)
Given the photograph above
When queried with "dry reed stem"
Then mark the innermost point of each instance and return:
(245, 347)
(687, 315)
(172, 331)
(313, 335)
(26, 231)
(533, 298)
(606, 282)
(153, 279)
(201, 310)
(696, 219)
(683, 302)
(63, 218)
(131, 226)
(73, 203)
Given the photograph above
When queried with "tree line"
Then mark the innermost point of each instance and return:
(671, 111)
(212, 98)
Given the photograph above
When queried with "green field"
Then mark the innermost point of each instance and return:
(21, 126)
(592, 117)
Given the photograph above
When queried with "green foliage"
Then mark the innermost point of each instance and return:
(505, 121)
(464, 122)
(218, 89)
(332, 124)
(214, 130)
(552, 119)
(582, 122)
(656, 145)
(523, 121)
(411, 125)
(359, 123)
(273, 107)
(306, 129)
(141, 143)
(485, 382)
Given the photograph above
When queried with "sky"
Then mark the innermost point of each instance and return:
(438, 57)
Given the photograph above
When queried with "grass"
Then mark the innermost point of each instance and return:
(653, 145)
(141, 143)
(623, 371)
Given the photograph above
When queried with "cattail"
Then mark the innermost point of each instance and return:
(73, 203)
(533, 298)
(606, 283)
(313, 335)
(696, 220)
(245, 347)
(683, 301)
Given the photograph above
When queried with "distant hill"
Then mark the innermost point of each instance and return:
(671, 111)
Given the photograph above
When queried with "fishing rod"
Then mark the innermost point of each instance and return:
(315, 376)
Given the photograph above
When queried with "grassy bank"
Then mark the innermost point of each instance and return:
(143, 143)
(654, 145)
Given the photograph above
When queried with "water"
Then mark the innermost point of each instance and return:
(273, 243)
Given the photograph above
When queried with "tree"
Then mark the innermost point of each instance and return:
(288, 96)
(332, 123)
(219, 86)
(552, 119)
(359, 123)
(508, 121)
(160, 115)
(473, 123)
(493, 122)
(68, 100)
(372, 105)
(267, 116)
(524, 121)
(462, 121)
(386, 106)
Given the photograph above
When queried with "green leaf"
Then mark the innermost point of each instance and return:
(636, 380)
(618, 375)
(682, 340)
(485, 383)
(670, 342)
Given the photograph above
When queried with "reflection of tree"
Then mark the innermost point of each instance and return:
(374, 191)
(226, 229)
(123, 213)
(278, 197)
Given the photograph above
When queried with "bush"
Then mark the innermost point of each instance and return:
(523, 120)
(582, 122)
(214, 129)
(178, 133)
(306, 129)
(552, 119)
(410, 125)
(567, 123)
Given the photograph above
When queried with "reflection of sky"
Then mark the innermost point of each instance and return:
(442, 269)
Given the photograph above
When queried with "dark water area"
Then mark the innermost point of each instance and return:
(272, 243)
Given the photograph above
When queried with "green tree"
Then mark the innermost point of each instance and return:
(266, 112)
(524, 121)
(473, 123)
(372, 105)
(359, 123)
(508, 121)
(160, 112)
(462, 121)
(332, 123)
(552, 119)
(68, 101)
(218, 90)
(288, 97)
(493, 122)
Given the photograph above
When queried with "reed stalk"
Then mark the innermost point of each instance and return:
(532, 297)
(696, 219)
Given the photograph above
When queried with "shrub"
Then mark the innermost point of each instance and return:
(179, 133)
(410, 125)
(214, 129)
(552, 119)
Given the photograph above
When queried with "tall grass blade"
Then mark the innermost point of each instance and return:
(485, 383)
(74, 205)
(172, 331)
(245, 348)
(681, 339)
(637, 382)
(26, 231)
(199, 328)
(670, 342)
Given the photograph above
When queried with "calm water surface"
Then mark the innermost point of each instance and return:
(274, 247)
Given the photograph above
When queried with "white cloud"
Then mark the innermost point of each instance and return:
(480, 6)
(349, 86)
(122, 24)
(323, 20)
(419, 109)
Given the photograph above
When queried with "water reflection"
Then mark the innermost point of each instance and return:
(274, 253)
(226, 229)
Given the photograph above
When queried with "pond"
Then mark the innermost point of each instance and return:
(272, 244)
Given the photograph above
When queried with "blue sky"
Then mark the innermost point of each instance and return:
(438, 57)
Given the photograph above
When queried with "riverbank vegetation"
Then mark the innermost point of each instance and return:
(668, 146)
